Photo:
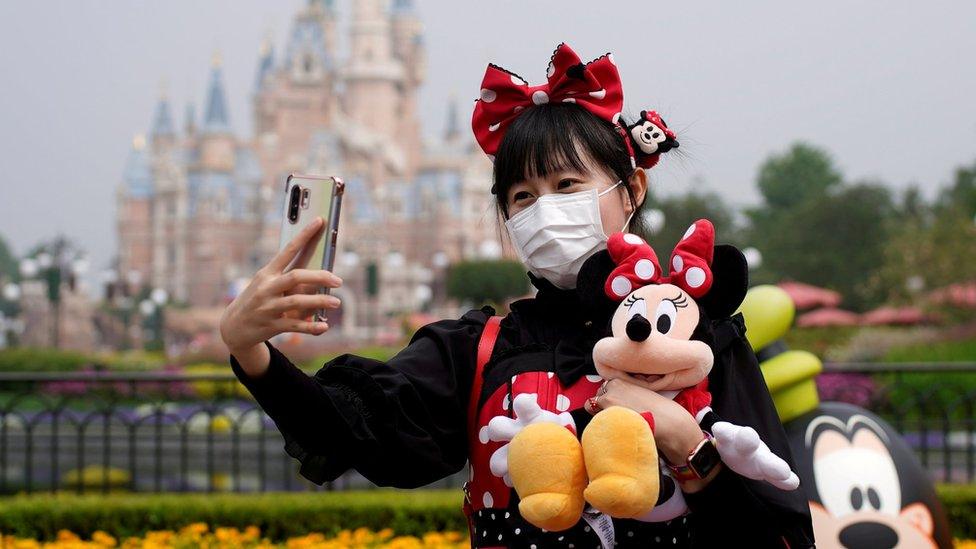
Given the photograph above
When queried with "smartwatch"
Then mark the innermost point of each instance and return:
(701, 461)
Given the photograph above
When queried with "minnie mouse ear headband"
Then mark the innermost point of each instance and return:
(595, 86)
(637, 264)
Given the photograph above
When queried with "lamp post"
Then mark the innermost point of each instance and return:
(54, 264)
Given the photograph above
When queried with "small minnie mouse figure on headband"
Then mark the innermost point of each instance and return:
(652, 137)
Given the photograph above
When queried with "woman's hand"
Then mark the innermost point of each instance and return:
(276, 301)
(675, 430)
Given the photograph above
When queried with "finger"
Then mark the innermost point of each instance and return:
(501, 428)
(777, 469)
(498, 462)
(306, 252)
(281, 260)
(303, 289)
(303, 302)
(747, 440)
(315, 277)
(526, 407)
(300, 326)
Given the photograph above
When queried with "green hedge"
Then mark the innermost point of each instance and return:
(960, 505)
(39, 359)
(284, 515)
(278, 515)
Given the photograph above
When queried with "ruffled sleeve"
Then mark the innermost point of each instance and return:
(399, 423)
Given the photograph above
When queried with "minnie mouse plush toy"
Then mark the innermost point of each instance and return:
(660, 338)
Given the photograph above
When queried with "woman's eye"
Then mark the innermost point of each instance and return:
(565, 183)
(521, 195)
(665, 316)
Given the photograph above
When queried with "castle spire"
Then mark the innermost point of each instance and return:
(215, 117)
(162, 125)
(452, 130)
(265, 61)
(403, 7)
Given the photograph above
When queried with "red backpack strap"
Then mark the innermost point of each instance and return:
(485, 346)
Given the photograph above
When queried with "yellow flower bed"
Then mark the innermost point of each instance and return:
(199, 535)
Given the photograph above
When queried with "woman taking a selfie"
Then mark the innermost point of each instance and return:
(567, 173)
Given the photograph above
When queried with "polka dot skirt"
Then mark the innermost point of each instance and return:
(505, 528)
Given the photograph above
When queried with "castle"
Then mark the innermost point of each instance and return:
(199, 208)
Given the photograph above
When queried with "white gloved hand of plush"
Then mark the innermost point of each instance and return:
(745, 453)
(503, 429)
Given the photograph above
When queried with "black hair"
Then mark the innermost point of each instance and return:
(549, 137)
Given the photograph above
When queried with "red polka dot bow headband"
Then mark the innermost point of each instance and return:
(637, 264)
(595, 86)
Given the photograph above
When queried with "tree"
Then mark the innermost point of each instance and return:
(961, 195)
(486, 281)
(835, 241)
(8, 262)
(801, 174)
(928, 253)
(683, 210)
(813, 228)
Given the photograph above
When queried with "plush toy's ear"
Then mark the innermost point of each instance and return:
(730, 280)
(591, 280)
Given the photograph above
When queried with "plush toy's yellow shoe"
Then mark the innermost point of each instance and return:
(621, 461)
(545, 462)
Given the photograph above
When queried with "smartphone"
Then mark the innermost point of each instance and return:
(308, 196)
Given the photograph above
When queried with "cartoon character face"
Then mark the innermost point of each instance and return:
(652, 340)
(648, 136)
(859, 488)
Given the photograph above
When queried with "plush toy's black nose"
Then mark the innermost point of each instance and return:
(638, 328)
(868, 534)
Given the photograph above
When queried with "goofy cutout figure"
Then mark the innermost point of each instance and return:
(661, 338)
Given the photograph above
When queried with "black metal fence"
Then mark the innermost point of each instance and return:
(142, 431)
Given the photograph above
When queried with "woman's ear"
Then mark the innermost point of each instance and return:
(638, 184)
(730, 276)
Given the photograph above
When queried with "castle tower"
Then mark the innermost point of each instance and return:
(167, 213)
(408, 47)
(293, 98)
(163, 132)
(374, 77)
(216, 141)
(134, 199)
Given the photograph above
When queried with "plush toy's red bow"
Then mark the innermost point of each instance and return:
(594, 86)
(637, 264)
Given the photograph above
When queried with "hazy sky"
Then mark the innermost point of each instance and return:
(889, 88)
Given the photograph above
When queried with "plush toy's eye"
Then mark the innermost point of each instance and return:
(637, 307)
(665, 316)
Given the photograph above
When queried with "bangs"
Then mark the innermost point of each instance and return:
(553, 137)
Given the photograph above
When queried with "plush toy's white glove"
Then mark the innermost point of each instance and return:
(503, 429)
(745, 453)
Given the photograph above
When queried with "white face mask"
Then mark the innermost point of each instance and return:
(558, 233)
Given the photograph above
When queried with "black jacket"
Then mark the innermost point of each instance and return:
(402, 422)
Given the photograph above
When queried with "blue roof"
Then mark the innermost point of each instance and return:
(328, 5)
(359, 202)
(247, 168)
(431, 189)
(215, 117)
(137, 174)
(204, 185)
(265, 66)
(162, 120)
(403, 7)
(308, 38)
